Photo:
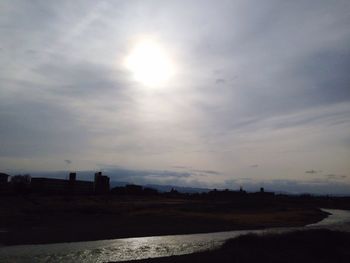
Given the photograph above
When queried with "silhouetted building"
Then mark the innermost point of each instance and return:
(49, 185)
(70, 186)
(263, 193)
(72, 177)
(60, 186)
(20, 183)
(4, 183)
(101, 183)
(132, 189)
(4, 178)
(21, 179)
(173, 192)
(226, 194)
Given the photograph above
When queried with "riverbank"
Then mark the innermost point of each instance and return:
(37, 219)
(301, 246)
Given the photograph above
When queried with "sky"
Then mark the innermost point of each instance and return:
(252, 93)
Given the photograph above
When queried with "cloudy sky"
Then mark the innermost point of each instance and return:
(253, 93)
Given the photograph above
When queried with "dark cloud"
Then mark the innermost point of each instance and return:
(327, 176)
(163, 174)
(254, 166)
(206, 171)
(197, 171)
(311, 172)
(181, 167)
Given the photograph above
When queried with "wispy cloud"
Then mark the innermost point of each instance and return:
(336, 176)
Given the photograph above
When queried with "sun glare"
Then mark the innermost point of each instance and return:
(149, 63)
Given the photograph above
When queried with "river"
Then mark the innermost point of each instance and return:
(146, 247)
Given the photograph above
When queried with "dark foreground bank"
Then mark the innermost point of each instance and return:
(321, 246)
(35, 219)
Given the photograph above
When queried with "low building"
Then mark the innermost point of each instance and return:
(70, 186)
(101, 183)
(50, 185)
(4, 178)
(20, 183)
(4, 182)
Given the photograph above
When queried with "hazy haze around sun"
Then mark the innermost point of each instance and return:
(149, 63)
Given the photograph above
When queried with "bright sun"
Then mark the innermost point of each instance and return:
(149, 63)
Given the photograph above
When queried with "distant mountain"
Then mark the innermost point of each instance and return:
(181, 189)
(117, 184)
(166, 188)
